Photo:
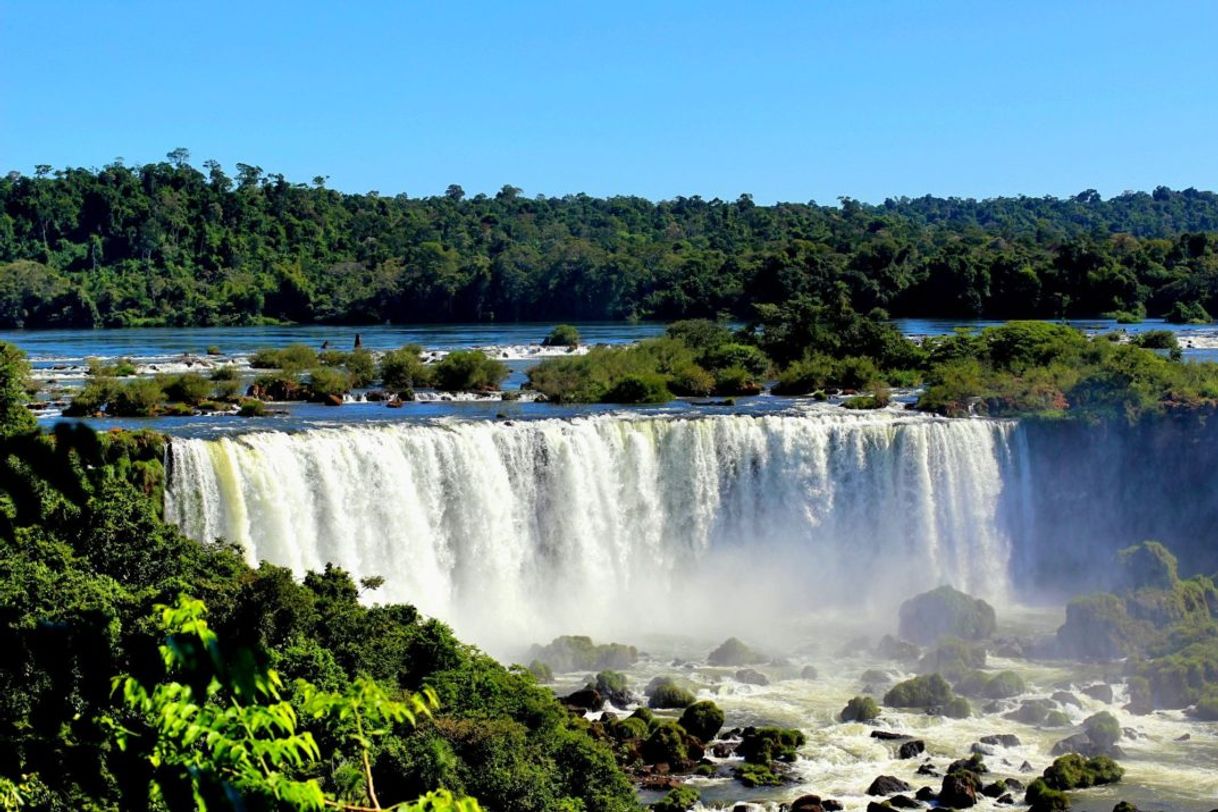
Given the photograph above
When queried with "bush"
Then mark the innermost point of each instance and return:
(579, 653)
(293, 358)
(189, 387)
(805, 377)
(251, 407)
(919, 692)
(680, 799)
(403, 369)
(541, 672)
(326, 382)
(641, 388)
(1157, 340)
(563, 335)
(1187, 313)
(945, 612)
(666, 745)
(361, 367)
(224, 373)
(469, 371)
(860, 709)
(702, 720)
(736, 380)
(141, 397)
(91, 398)
(1148, 565)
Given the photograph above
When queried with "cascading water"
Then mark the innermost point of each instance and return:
(512, 532)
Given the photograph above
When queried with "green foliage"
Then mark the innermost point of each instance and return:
(190, 388)
(293, 358)
(1003, 685)
(328, 382)
(563, 335)
(1073, 771)
(957, 708)
(945, 612)
(361, 367)
(702, 720)
(468, 371)
(766, 745)
(664, 692)
(140, 397)
(1188, 313)
(1148, 564)
(757, 775)
(919, 692)
(1103, 729)
(403, 369)
(954, 659)
(579, 653)
(15, 418)
(1043, 798)
(1157, 340)
(680, 799)
(860, 709)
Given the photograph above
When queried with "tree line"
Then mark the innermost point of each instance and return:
(171, 244)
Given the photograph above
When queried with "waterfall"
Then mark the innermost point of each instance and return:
(602, 524)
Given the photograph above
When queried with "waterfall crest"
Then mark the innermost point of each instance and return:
(512, 532)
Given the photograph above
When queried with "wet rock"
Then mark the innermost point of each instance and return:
(831, 805)
(724, 749)
(1184, 738)
(887, 785)
(1066, 698)
(734, 652)
(1130, 733)
(1032, 711)
(959, 790)
(928, 769)
(855, 645)
(751, 677)
(1026, 767)
(584, 699)
(903, 802)
(926, 794)
(890, 648)
(1002, 740)
(911, 749)
(807, 803)
(780, 662)
(809, 672)
(1005, 800)
(333, 400)
(1100, 691)
(872, 806)
(888, 735)
(982, 749)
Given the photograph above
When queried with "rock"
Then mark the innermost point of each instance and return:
(1031, 711)
(959, 790)
(888, 735)
(911, 749)
(945, 612)
(1002, 739)
(1066, 698)
(333, 400)
(584, 699)
(1005, 800)
(733, 652)
(809, 672)
(751, 677)
(903, 802)
(780, 662)
(928, 769)
(1027, 767)
(831, 805)
(1100, 691)
(724, 749)
(890, 648)
(926, 794)
(872, 806)
(807, 803)
(855, 645)
(1184, 738)
(994, 790)
(887, 785)
(395, 402)
(702, 720)
(982, 749)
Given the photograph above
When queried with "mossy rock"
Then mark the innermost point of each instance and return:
(765, 745)
(953, 659)
(1056, 718)
(946, 612)
(733, 652)
(702, 720)
(579, 653)
(919, 692)
(1043, 798)
(1073, 771)
(666, 745)
(1148, 564)
(757, 775)
(664, 692)
(957, 708)
(860, 709)
(1103, 729)
(680, 799)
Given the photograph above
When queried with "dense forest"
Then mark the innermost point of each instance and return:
(169, 244)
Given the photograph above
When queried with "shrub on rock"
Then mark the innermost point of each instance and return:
(733, 652)
(664, 692)
(768, 744)
(953, 659)
(702, 720)
(1103, 729)
(919, 692)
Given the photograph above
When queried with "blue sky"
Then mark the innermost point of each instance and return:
(786, 101)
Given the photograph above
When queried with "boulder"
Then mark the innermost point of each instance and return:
(888, 735)
(584, 699)
(911, 749)
(887, 785)
(750, 676)
(702, 720)
(903, 802)
(959, 790)
(1002, 740)
(926, 794)
(1101, 691)
(945, 612)
(809, 672)
(735, 653)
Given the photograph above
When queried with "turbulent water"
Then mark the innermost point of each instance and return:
(513, 531)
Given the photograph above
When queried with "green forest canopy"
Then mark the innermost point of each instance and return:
(170, 244)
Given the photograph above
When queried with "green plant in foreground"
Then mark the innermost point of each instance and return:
(224, 733)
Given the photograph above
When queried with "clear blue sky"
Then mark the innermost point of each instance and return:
(785, 100)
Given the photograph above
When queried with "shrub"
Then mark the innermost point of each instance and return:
(689, 380)
(1187, 313)
(702, 720)
(743, 356)
(469, 371)
(860, 709)
(189, 387)
(541, 672)
(224, 373)
(642, 388)
(1073, 771)
(579, 653)
(92, 397)
(665, 745)
(403, 369)
(251, 407)
(293, 358)
(563, 335)
(1148, 564)
(919, 692)
(736, 380)
(945, 612)
(361, 367)
(805, 377)
(1157, 340)
(137, 398)
(325, 382)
